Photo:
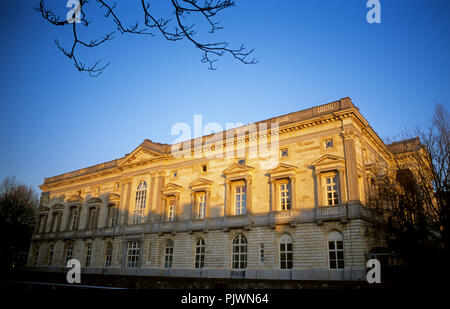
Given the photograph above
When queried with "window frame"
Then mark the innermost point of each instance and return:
(133, 254)
(168, 254)
(240, 256)
(335, 238)
(88, 255)
(140, 202)
(108, 254)
(242, 209)
(200, 253)
(335, 192)
(286, 252)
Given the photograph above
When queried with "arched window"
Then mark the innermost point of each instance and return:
(240, 252)
(139, 206)
(69, 252)
(336, 250)
(286, 252)
(108, 254)
(168, 254)
(50, 254)
(200, 253)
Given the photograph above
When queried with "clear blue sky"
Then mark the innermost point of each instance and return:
(55, 119)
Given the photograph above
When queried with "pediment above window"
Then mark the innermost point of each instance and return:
(237, 171)
(57, 207)
(113, 197)
(282, 170)
(328, 162)
(75, 199)
(171, 189)
(94, 200)
(43, 209)
(200, 184)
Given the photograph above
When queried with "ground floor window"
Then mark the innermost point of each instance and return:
(133, 254)
(200, 253)
(286, 252)
(168, 254)
(336, 250)
(239, 252)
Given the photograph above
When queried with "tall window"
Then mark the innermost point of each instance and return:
(332, 194)
(240, 252)
(139, 206)
(336, 250)
(133, 254)
(50, 254)
(285, 196)
(200, 253)
(261, 253)
(36, 255)
(171, 210)
(73, 218)
(168, 254)
(55, 221)
(112, 215)
(201, 206)
(69, 252)
(239, 200)
(92, 218)
(108, 254)
(286, 252)
(88, 254)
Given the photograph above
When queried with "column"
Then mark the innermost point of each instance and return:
(350, 165)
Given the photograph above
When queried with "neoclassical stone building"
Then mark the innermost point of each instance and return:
(284, 198)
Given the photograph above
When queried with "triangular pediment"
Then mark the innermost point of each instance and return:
(171, 187)
(327, 159)
(281, 168)
(58, 206)
(145, 152)
(200, 182)
(139, 155)
(75, 199)
(237, 168)
(94, 200)
(113, 197)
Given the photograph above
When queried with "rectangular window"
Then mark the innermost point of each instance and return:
(55, 222)
(261, 253)
(108, 255)
(171, 211)
(133, 254)
(286, 255)
(168, 257)
(50, 255)
(73, 218)
(88, 255)
(69, 252)
(285, 196)
(36, 255)
(112, 214)
(92, 217)
(240, 200)
(332, 195)
(201, 206)
(336, 254)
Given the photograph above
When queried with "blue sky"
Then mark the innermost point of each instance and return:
(55, 119)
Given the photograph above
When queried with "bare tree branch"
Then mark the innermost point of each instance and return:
(171, 30)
